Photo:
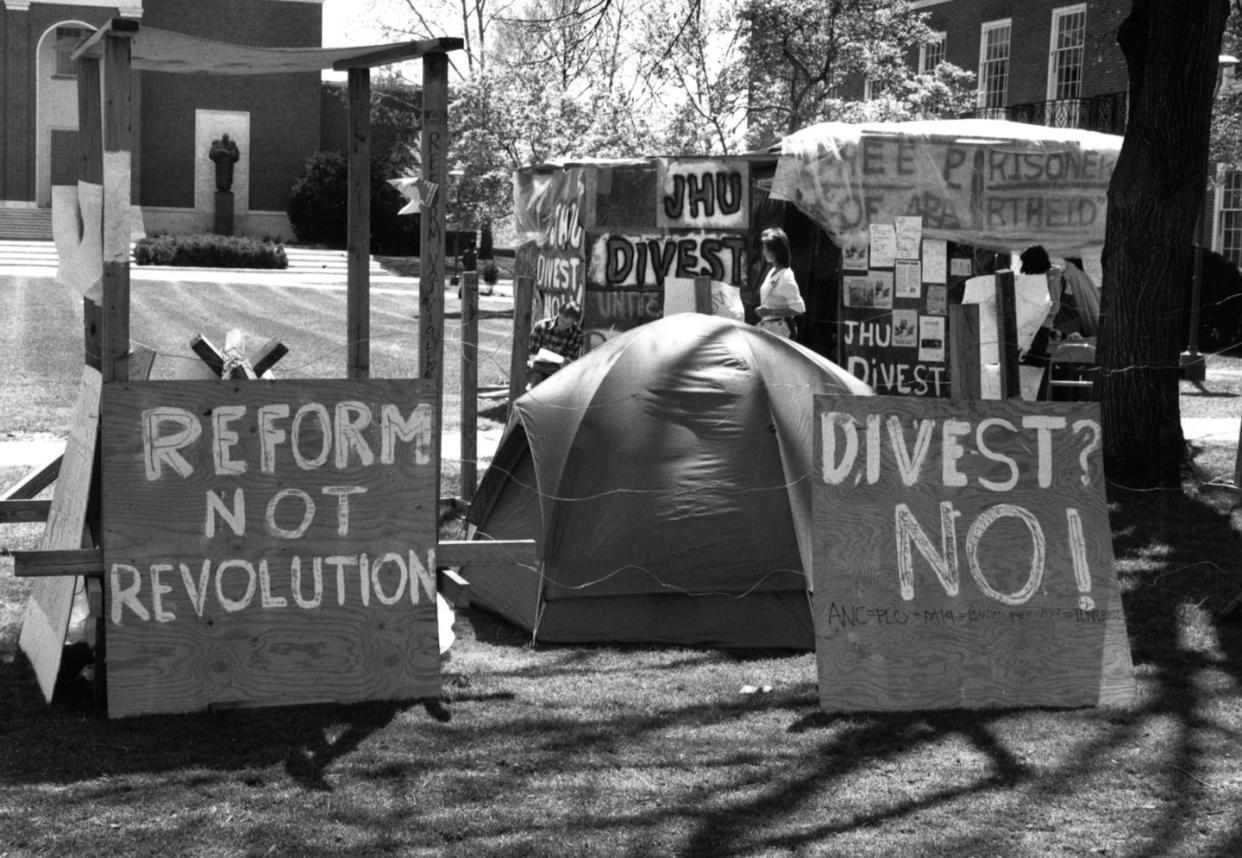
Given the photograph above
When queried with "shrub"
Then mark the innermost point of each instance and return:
(319, 207)
(209, 251)
(490, 272)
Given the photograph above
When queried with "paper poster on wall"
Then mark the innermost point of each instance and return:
(854, 251)
(909, 283)
(935, 260)
(881, 289)
(906, 328)
(856, 291)
(909, 231)
(1093, 265)
(937, 300)
(883, 245)
(931, 338)
(960, 266)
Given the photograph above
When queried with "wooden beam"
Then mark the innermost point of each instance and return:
(208, 353)
(523, 312)
(23, 511)
(358, 300)
(1007, 335)
(117, 145)
(92, 46)
(453, 587)
(433, 147)
(90, 171)
(268, 355)
(964, 379)
(469, 384)
(236, 364)
(703, 295)
(388, 54)
(463, 553)
(57, 563)
(34, 482)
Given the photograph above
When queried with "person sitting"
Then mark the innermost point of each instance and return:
(561, 335)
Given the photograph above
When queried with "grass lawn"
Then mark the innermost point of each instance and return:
(636, 751)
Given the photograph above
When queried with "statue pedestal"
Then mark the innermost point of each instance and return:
(222, 224)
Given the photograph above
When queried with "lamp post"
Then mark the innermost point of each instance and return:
(1192, 364)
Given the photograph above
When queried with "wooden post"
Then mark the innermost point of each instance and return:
(358, 310)
(469, 383)
(90, 170)
(964, 351)
(118, 143)
(434, 149)
(703, 295)
(1007, 336)
(523, 310)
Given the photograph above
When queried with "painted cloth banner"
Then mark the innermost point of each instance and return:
(962, 556)
(987, 183)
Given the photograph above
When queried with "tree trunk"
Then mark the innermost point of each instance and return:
(1154, 197)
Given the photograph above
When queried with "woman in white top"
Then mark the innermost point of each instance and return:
(779, 298)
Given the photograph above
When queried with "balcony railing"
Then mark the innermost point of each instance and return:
(1105, 113)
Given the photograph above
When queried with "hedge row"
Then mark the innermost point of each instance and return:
(209, 251)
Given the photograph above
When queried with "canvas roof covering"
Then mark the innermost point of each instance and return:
(153, 49)
(988, 183)
(665, 477)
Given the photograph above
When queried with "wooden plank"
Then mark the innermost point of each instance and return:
(358, 299)
(141, 359)
(469, 384)
(702, 294)
(53, 564)
(34, 482)
(980, 573)
(388, 54)
(268, 355)
(117, 146)
(468, 552)
(302, 574)
(90, 170)
(23, 511)
(964, 369)
(47, 611)
(453, 587)
(1007, 333)
(208, 354)
(433, 148)
(92, 45)
(523, 319)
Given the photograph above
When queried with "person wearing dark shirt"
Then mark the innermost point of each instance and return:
(560, 334)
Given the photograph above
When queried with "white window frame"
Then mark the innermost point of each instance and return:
(939, 37)
(1059, 15)
(1223, 172)
(985, 28)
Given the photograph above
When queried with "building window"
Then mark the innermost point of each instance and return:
(1069, 27)
(1230, 236)
(931, 53)
(67, 39)
(994, 66)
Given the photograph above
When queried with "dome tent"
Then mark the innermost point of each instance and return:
(665, 478)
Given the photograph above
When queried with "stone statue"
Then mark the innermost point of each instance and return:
(225, 154)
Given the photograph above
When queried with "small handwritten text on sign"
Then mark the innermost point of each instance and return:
(962, 556)
(268, 543)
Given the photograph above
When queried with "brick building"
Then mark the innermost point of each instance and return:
(277, 120)
(1050, 62)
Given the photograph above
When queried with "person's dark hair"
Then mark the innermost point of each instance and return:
(775, 240)
(1035, 260)
(572, 309)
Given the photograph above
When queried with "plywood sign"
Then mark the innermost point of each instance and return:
(962, 557)
(268, 543)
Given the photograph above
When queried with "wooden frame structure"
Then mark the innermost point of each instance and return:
(72, 547)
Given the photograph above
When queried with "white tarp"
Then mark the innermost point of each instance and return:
(988, 183)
